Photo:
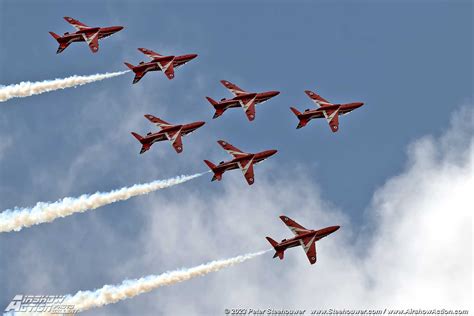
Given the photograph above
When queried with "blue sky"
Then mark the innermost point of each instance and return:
(410, 63)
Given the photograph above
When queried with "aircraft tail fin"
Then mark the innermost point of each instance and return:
(294, 110)
(62, 44)
(138, 136)
(138, 74)
(56, 36)
(130, 66)
(145, 145)
(212, 101)
(272, 242)
(303, 121)
(279, 253)
(217, 175)
(215, 104)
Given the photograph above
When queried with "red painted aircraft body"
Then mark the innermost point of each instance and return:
(243, 161)
(168, 131)
(167, 64)
(326, 109)
(246, 100)
(84, 33)
(306, 238)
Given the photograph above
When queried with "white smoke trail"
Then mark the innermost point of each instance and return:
(44, 212)
(26, 89)
(109, 294)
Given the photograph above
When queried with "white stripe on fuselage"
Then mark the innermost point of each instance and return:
(165, 67)
(331, 116)
(91, 38)
(308, 245)
(247, 105)
(246, 167)
(173, 138)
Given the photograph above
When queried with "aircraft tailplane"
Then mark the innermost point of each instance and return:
(138, 74)
(217, 175)
(130, 66)
(279, 253)
(145, 145)
(62, 44)
(138, 136)
(215, 104)
(212, 101)
(303, 121)
(56, 36)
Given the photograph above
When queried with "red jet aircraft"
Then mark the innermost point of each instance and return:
(158, 63)
(167, 132)
(84, 33)
(326, 109)
(246, 100)
(243, 161)
(303, 237)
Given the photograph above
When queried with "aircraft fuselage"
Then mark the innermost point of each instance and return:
(341, 108)
(234, 163)
(78, 36)
(235, 102)
(161, 135)
(295, 241)
(152, 65)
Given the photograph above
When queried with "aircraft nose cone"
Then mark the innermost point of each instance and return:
(335, 228)
(274, 93)
(118, 28)
(272, 152)
(199, 124)
(192, 56)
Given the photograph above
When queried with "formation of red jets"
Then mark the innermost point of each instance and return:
(241, 99)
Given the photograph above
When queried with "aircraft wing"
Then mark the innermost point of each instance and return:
(247, 169)
(234, 89)
(249, 106)
(178, 143)
(150, 53)
(159, 122)
(296, 228)
(76, 24)
(169, 71)
(309, 247)
(233, 151)
(316, 98)
(331, 114)
(166, 65)
(175, 138)
(92, 40)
